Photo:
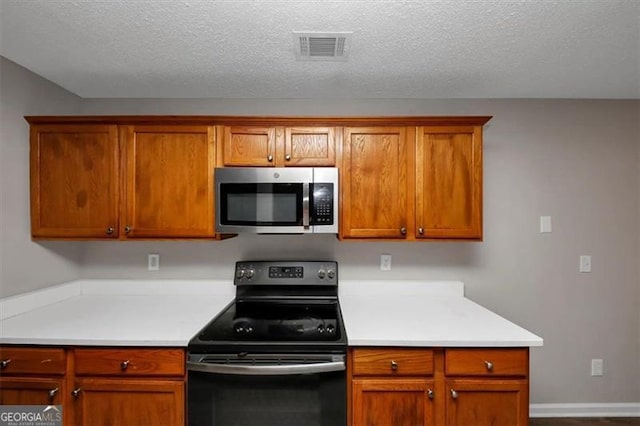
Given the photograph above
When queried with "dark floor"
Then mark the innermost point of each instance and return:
(611, 421)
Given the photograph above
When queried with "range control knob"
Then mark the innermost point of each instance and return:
(321, 273)
(250, 273)
(320, 329)
(331, 273)
(331, 329)
(240, 274)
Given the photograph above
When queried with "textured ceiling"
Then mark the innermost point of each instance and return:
(400, 49)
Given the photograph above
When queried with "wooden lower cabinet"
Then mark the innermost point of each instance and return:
(382, 402)
(129, 402)
(439, 386)
(98, 386)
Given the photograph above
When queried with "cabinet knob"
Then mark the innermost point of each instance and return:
(270, 158)
(76, 392)
(394, 365)
(454, 394)
(287, 157)
(5, 363)
(430, 393)
(53, 392)
(403, 230)
(124, 365)
(489, 365)
(421, 231)
(127, 229)
(110, 230)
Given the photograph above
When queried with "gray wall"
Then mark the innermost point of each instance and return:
(25, 265)
(577, 161)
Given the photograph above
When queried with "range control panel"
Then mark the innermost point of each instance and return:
(286, 272)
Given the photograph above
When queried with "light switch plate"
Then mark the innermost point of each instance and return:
(153, 262)
(585, 263)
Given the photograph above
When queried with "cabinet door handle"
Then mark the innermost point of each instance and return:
(421, 231)
(270, 158)
(124, 365)
(454, 394)
(403, 230)
(287, 157)
(127, 229)
(53, 392)
(5, 363)
(394, 365)
(76, 392)
(430, 393)
(489, 365)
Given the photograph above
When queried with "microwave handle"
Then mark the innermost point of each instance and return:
(266, 370)
(305, 205)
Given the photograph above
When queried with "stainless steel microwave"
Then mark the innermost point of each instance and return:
(276, 200)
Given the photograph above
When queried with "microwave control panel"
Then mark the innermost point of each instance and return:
(322, 204)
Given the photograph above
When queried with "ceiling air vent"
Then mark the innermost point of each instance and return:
(315, 46)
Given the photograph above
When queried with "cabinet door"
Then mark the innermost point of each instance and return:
(105, 402)
(74, 181)
(31, 391)
(309, 146)
(374, 182)
(169, 181)
(249, 146)
(487, 402)
(449, 182)
(384, 402)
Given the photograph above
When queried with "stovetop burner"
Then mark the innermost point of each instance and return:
(279, 307)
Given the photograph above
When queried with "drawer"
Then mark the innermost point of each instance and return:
(32, 361)
(486, 362)
(392, 362)
(129, 362)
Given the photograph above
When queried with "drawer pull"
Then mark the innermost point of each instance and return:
(270, 158)
(287, 157)
(454, 394)
(53, 392)
(5, 363)
(430, 393)
(124, 365)
(489, 365)
(76, 392)
(394, 365)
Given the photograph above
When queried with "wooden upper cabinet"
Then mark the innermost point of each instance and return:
(74, 181)
(248, 146)
(168, 181)
(375, 182)
(309, 146)
(449, 182)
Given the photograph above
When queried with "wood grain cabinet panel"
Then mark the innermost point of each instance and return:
(20, 360)
(249, 146)
(309, 146)
(385, 402)
(392, 362)
(487, 402)
(31, 390)
(374, 183)
(107, 402)
(486, 362)
(74, 181)
(169, 181)
(449, 182)
(130, 362)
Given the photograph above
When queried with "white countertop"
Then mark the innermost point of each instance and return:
(113, 313)
(170, 313)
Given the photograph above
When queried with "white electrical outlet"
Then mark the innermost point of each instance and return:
(545, 224)
(385, 262)
(153, 262)
(597, 367)
(585, 263)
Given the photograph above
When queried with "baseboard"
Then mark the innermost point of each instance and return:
(625, 409)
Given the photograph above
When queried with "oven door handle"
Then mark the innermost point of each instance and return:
(266, 370)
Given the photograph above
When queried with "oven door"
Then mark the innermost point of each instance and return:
(267, 390)
(261, 200)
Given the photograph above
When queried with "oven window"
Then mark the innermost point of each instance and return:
(308, 399)
(261, 204)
